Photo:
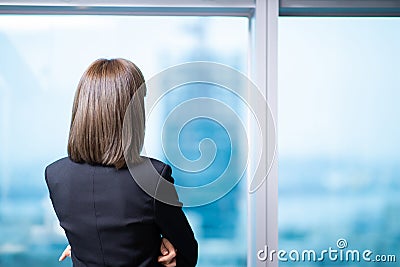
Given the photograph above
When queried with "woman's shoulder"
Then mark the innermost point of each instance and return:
(158, 164)
(60, 163)
(162, 168)
(155, 177)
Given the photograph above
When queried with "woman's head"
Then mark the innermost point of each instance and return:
(101, 100)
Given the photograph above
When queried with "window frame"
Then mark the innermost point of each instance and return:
(340, 8)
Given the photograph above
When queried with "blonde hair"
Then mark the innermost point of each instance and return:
(101, 101)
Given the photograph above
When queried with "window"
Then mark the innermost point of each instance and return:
(43, 58)
(338, 135)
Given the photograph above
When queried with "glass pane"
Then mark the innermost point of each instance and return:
(42, 59)
(338, 138)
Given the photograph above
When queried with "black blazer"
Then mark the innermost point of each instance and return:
(110, 221)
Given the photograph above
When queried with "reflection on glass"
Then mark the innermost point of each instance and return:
(42, 59)
(338, 136)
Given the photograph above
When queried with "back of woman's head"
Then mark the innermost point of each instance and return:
(101, 100)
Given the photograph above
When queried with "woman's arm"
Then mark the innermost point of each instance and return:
(175, 227)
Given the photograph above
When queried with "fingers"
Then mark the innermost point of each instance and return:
(168, 258)
(171, 264)
(167, 244)
(66, 253)
(164, 250)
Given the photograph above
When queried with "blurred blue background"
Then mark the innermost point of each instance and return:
(338, 126)
(42, 59)
(339, 146)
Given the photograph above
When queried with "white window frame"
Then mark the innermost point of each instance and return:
(340, 8)
(263, 17)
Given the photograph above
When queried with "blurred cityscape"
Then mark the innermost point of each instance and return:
(41, 63)
(338, 167)
(338, 131)
(324, 200)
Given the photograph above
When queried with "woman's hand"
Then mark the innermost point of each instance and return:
(168, 252)
(66, 253)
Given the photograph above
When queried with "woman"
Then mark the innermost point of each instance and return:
(108, 219)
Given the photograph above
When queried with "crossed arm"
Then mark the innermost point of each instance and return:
(167, 257)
